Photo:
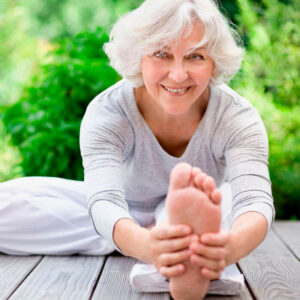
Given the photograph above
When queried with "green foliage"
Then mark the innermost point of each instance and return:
(17, 51)
(54, 19)
(29, 27)
(10, 158)
(270, 79)
(45, 122)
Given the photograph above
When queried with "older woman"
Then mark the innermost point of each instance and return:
(173, 115)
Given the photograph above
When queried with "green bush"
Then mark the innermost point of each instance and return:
(270, 79)
(45, 122)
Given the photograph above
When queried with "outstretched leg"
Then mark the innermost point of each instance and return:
(47, 215)
(189, 202)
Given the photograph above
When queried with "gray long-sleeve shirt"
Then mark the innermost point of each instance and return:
(127, 171)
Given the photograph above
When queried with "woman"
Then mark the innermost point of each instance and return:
(171, 114)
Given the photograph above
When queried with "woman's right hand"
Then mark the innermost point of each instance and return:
(168, 248)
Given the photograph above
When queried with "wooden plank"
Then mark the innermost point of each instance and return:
(245, 295)
(114, 282)
(61, 277)
(13, 270)
(118, 270)
(272, 271)
(289, 232)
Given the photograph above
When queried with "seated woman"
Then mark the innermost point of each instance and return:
(159, 142)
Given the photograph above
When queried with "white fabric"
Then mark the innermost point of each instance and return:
(145, 278)
(47, 215)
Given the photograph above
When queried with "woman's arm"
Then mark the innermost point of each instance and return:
(247, 232)
(131, 239)
(106, 139)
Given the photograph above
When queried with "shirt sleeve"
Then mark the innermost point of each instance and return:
(246, 157)
(105, 139)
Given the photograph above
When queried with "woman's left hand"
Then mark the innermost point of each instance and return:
(210, 253)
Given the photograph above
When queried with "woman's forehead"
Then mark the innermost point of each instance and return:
(190, 43)
(191, 34)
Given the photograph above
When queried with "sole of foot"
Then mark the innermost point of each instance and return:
(192, 199)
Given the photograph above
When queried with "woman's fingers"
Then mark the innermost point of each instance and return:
(168, 259)
(214, 265)
(172, 238)
(173, 245)
(169, 244)
(210, 274)
(172, 271)
(215, 239)
(171, 231)
(209, 252)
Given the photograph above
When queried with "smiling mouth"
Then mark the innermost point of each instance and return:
(175, 91)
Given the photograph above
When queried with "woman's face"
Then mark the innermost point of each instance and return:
(176, 76)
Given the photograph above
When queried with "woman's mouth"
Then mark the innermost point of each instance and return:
(175, 91)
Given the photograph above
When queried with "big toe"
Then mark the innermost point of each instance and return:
(180, 176)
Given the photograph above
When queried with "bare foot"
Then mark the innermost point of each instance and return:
(192, 199)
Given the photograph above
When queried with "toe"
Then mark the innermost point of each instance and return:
(195, 172)
(199, 179)
(209, 185)
(216, 196)
(180, 176)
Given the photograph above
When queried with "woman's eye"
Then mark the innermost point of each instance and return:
(161, 54)
(196, 57)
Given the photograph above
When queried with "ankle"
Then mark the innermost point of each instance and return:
(190, 285)
(197, 292)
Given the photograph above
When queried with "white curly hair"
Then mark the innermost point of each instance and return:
(156, 23)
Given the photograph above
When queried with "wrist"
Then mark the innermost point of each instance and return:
(144, 240)
(247, 232)
(231, 255)
(131, 239)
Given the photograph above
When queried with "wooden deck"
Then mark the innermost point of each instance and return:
(272, 271)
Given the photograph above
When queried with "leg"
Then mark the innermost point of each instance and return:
(188, 204)
(47, 215)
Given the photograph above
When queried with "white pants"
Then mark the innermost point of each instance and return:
(48, 215)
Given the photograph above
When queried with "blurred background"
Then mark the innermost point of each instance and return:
(52, 65)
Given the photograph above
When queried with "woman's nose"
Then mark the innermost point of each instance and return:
(178, 72)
